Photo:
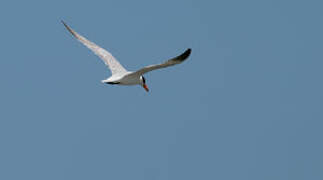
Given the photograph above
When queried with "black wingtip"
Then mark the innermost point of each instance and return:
(185, 54)
(189, 50)
(63, 22)
(69, 29)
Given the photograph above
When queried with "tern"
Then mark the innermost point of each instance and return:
(120, 75)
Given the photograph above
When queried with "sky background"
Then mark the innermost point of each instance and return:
(246, 105)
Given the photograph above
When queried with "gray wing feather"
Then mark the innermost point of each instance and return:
(177, 60)
(109, 60)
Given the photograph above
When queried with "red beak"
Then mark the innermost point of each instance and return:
(145, 87)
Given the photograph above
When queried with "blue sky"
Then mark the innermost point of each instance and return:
(247, 104)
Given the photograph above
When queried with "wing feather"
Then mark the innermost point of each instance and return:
(171, 62)
(109, 60)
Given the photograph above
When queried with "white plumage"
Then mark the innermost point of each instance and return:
(119, 74)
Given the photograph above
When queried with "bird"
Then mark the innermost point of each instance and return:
(119, 75)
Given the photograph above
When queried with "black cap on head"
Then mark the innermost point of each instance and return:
(143, 79)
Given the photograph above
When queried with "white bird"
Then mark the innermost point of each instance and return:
(120, 75)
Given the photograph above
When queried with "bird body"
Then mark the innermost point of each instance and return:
(120, 75)
(128, 78)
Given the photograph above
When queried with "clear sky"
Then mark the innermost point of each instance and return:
(246, 105)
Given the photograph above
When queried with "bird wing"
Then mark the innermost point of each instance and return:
(171, 62)
(109, 60)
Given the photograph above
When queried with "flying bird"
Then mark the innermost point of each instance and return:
(120, 75)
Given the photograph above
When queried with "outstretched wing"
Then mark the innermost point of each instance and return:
(109, 60)
(177, 60)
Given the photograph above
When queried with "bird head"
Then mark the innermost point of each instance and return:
(143, 83)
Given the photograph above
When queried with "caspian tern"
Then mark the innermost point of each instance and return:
(120, 75)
